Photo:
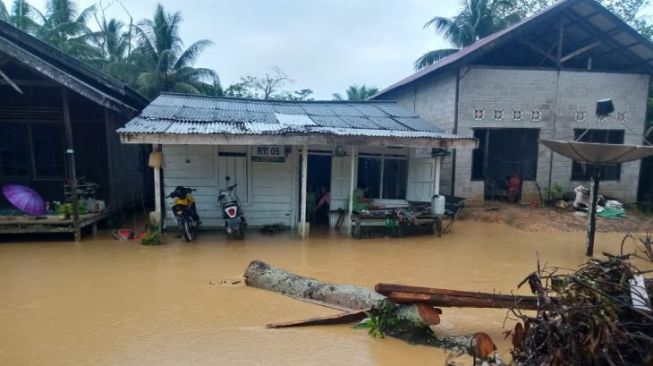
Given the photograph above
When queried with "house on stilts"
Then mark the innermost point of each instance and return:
(58, 118)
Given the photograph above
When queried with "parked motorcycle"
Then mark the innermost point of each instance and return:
(234, 222)
(185, 212)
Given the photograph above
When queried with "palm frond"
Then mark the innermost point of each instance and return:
(190, 55)
(433, 56)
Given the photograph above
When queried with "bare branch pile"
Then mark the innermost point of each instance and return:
(593, 316)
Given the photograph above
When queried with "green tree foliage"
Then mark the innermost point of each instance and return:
(22, 15)
(477, 19)
(65, 26)
(149, 56)
(165, 65)
(357, 92)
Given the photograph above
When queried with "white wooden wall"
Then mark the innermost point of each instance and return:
(267, 190)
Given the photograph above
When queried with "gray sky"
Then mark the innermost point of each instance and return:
(322, 45)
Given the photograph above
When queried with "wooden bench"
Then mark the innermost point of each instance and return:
(392, 225)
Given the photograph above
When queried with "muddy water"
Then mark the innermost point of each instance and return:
(105, 302)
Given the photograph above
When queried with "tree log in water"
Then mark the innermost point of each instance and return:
(415, 319)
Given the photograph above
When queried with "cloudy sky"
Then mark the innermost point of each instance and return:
(322, 45)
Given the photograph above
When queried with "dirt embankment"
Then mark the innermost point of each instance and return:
(548, 219)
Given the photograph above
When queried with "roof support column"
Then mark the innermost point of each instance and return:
(561, 32)
(352, 187)
(303, 229)
(157, 193)
(436, 180)
(72, 171)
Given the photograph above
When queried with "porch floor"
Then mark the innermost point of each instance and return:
(21, 224)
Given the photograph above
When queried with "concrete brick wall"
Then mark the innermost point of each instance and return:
(557, 96)
(580, 91)
(434, 100)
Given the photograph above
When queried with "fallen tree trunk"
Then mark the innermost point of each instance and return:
(412, 323)
(402, 294)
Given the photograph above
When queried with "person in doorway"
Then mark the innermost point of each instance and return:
(513, 183)
(310, 203)
(323, 205)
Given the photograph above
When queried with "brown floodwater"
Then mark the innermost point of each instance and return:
(106, 302)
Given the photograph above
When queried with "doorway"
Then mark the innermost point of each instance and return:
(504, 159)
(318, 185)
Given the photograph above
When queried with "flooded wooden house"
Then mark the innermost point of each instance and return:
(58, 118)
(278, 152)
(537, 79)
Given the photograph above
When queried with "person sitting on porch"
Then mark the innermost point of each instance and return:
(362, 203)
(512, 184)
(322, 209)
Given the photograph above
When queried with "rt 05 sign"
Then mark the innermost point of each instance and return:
(270, 153)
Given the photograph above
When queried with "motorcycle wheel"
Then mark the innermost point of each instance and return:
(188, 231)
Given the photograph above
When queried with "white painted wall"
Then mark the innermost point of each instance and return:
(269, 191)
(266, 189)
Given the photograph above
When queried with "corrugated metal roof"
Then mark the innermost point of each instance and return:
(181, 114)
(616, 37)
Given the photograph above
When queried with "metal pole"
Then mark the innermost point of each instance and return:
(591, 220)
(302, 213)
(352, 187)
(72, 173)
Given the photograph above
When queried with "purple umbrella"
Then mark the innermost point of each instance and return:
(24, 199)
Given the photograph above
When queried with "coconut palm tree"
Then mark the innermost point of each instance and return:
(65, 26)
(477, 19)
(22, 15)
(166, 65)
(357, 92)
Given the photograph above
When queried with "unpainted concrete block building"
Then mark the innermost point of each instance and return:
(538, 79)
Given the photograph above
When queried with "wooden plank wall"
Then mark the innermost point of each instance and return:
(267, 190)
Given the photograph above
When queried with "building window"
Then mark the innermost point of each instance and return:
(580, 116)
(14, 150)
(498, 114)
(516, 115)
(608, 172)
(385, 177)
(47, 140)
(536, 116)
(479, 114)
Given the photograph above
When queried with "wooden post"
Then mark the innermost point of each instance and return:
(72, 172)
(591, 219)
(157, 192)
(352, 187)
(436, 183)
(302, 212)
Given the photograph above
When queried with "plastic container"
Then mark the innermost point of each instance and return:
(437, 205)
